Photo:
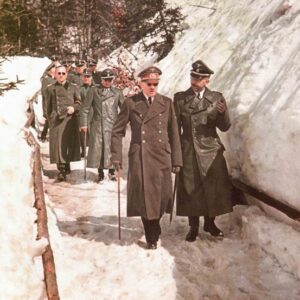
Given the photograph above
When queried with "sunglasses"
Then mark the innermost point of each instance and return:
(61, 73)
(87, 76)
(152, 84)
(107, 79)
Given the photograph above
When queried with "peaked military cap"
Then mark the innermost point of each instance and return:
(80, 63)
(92, 62)
(150, 73)
(107, 73)
(200, 69)
(52, 65)
(87, 72)
(64, 63)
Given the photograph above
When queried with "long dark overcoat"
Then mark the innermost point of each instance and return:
(64, 140)
(154, 149)
(203, 187)
(105, 104)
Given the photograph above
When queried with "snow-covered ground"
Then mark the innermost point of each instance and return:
(21, 274)
(254, 261)
(253, 46)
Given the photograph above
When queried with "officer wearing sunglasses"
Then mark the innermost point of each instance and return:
(63, 103)
(154, 152)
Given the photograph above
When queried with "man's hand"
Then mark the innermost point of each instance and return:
(221, 107)
(83, 129)
(175, 169)
(70, 110)
(117, 165)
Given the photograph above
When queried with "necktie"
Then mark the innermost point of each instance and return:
(150, 100)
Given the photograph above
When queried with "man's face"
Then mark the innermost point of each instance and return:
(199, 84)
(80, 69)
(149, 87)
(61, 74)
(87, 79)
(106, 82)
(92, 68)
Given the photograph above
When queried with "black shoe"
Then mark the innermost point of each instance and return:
(111, 175)
(210, 227)
(43, 139)
(100, 175)
(192, 234)
(61, 176)
(151, 246)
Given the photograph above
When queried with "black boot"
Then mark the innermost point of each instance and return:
(61, 176)
(210, 227)
(100, 175)
(192, 234)
(151, 245)
(68, 168)
(111, 174)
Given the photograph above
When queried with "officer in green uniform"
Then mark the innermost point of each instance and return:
(76, 76)
(105, 101)
(84, 89)
(46, 80)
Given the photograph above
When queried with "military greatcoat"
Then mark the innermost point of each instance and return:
(105, 104)
(64, 138)
(154, 149)
(203, 187)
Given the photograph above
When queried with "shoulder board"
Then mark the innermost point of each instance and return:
(179, 95)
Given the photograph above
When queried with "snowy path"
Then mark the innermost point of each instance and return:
(93, 264)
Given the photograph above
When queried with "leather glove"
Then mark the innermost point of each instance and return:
(175, 169)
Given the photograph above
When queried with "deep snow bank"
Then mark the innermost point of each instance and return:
(20, 266)
(253, 47)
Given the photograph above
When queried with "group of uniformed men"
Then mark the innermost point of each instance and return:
(166, 136)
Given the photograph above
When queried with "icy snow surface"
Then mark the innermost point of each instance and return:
(254, 261)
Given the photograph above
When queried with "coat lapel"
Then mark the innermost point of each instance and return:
(199, 105)
(141, 106)
(157, 107)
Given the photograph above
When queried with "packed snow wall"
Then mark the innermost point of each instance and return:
(254, 48)
(21, 270)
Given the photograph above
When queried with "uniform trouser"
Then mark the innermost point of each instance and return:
(82, 138)
(152, 230)
(194, 221)
(45, 130)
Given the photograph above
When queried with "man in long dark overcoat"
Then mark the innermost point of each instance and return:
(204, 187)
(63, 103)
(105, 101)
(154, 152)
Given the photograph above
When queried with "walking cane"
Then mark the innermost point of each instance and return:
(84, 147)
(174, 194)
(119, 202)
